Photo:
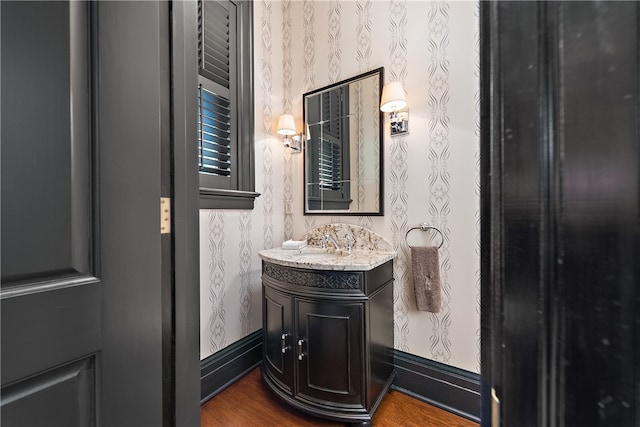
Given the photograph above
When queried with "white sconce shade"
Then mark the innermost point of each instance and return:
(287, 128)
(393, 101)
(393, 98)
(286, 125)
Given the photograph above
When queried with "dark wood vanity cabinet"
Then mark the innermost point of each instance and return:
(328, 339)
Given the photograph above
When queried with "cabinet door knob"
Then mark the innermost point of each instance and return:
(283, 343)
(300, 352)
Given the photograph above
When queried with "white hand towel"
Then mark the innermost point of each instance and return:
(294, 244)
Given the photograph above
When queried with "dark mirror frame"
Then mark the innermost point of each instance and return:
(380, 212)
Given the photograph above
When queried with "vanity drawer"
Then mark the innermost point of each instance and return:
(342, 282)
(348, 280)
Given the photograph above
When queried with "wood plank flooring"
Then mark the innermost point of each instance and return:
(249, 403)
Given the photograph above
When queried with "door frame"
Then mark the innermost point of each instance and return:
(489, 207)
(560, 332)
(186, 236)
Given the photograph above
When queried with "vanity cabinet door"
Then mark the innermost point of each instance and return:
(278, 338)
(329, 352)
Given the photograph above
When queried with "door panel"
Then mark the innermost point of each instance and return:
(46, 202)
(50, 299)
(49, 328)
(320, 351)
(332, 350)
(63, 397)
(277, 314)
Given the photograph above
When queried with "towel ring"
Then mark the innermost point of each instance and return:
(424, 227)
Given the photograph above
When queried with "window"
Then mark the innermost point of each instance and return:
(225, 104)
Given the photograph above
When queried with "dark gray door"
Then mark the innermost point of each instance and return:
(51, 286)
(85, 90)
(561, 212)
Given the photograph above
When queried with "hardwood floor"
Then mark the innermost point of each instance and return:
(249, 403)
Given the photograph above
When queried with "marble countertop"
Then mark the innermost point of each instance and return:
(316, 258)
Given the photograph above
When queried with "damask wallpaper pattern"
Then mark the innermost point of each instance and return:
(439, 176)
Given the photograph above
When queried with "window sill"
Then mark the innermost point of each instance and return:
(226, 199)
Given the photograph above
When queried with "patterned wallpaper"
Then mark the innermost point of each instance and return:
(431, 174)
(438, 198)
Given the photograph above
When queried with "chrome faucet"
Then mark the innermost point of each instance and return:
(349, 245)
(330, 238)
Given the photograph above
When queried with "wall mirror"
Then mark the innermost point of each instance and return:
(343, 148)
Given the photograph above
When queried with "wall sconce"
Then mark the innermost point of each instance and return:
(394, 102)
(287, 128)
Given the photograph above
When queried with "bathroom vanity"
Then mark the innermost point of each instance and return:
(328, 329)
